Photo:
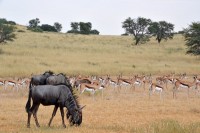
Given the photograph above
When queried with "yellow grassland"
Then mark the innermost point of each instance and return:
(33, 53)
(124, 112)
(117, 112)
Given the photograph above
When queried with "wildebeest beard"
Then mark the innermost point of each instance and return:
(75, 118)
(74, 115)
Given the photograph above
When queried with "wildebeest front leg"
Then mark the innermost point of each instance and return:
(62, 115)
(53, 114)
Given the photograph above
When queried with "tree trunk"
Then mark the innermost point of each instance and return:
(159, 40)
(137, 41)
(1, 38)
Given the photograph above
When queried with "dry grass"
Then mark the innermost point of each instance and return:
(131, 112)
(73, 54)
(116, 112)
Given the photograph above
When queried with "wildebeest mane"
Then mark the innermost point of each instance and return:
(62, 74)
(50, 72)
(68, 115)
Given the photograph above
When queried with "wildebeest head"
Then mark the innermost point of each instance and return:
(75, 116)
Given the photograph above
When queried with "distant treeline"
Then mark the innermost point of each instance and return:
(76, 27)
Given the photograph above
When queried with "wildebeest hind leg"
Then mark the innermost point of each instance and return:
(29, 118)
(53, 114)
(35, 113)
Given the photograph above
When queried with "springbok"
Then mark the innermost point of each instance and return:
(168, 80)
(197, 79)
(92, 88)
(155, 88)
(160, 80)
(13, 84)
(2, 83)
(113, 83)
(183, 84)
(139, 80)
(23, 83)
(126, 83)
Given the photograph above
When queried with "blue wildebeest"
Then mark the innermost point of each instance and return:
(58, 80)
(60, 96)
(40, 79)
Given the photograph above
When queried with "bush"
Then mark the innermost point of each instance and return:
(37, 29)
(46, 27)
(6, 32)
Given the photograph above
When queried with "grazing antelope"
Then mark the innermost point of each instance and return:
(11, 83)
(197, 79)
(147, 80)
(72, 80)
(2, 83)
(79, 81)
(160, 80)
(126, 83)
(23, 83)
(168, 80)
(92, 88)
(101, 80)
(182, 84)
(140, 80)
(104, 81)
(113, 83)
(155, 88)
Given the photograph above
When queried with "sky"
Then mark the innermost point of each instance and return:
(105, 15)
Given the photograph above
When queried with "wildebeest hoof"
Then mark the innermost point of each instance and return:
(64, 126)
(38, 126)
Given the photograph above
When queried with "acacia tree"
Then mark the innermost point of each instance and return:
(46, 27)
(6, 32)
(138, 28)
(161, 30)
(192, 38)
(85, 28)
(75, 28)
(34, 23)
(58, 26)
(82, 28)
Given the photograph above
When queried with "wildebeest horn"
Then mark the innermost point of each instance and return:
(82, 107)
(79, 109)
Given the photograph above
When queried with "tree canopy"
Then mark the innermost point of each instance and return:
(46, 27)
(33, 23)
(161, 30)
(57, 26)
(138, 28)
(82, 28)
(192, 38)
(6, 30)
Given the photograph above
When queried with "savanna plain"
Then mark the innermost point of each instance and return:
(116, 111)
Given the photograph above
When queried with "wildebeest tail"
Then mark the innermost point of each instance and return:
(28, 104)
